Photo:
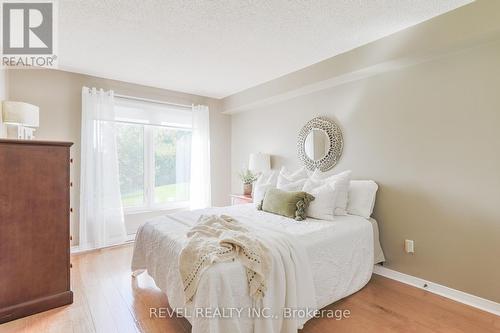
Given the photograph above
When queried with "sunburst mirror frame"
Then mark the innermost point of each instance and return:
(333, 154)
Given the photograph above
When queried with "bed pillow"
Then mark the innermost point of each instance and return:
(340, 182)
(293, 186)
(268, 177)
(289, 204)
(323, 205)
(259, 191)
(291, 181)
(265, 181)
(362, 195)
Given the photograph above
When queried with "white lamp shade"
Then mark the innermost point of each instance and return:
(20, 113)
(259, 162)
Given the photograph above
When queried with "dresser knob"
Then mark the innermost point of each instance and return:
(70, 160)
(71, 184)
(70, 265)
(71, 210)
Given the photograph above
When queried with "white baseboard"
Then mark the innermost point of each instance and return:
(456, 295)
(75, 249)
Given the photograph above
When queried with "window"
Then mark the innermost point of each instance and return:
(154, 155)
(172, 156)
(130, 147)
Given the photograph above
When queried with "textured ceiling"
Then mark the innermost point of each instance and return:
(217, 48)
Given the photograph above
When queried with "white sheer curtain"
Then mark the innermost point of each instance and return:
(200, 190)
(101, 211)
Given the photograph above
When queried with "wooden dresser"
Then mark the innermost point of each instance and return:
(34, 227)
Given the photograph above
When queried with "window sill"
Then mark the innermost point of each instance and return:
(143, 210)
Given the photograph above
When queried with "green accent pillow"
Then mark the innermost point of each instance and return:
(289, 204)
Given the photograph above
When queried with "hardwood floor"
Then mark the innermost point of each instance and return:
(108, 300)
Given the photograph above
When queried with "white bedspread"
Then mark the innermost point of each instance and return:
(339, 253)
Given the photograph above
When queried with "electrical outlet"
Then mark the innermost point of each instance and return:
(409, 246)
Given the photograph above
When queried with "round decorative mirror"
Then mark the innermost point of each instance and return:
(320, 144)
(317, 144)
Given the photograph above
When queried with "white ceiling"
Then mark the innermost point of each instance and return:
(217, 48)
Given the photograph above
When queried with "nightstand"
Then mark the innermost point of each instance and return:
(240, 199)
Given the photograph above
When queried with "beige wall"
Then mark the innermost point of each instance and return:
(58, 94)
(3, 85)
(478, 22)
(3, 96)
(429, 135)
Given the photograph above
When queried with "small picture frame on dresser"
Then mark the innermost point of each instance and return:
(240, 199)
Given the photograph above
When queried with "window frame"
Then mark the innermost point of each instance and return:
(149, 204)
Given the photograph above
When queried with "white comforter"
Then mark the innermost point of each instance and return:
(339, 255)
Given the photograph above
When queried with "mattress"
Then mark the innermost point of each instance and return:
(341, 252)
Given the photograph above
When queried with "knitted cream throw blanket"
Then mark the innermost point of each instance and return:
(221, 239)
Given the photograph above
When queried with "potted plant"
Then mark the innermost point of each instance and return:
(248, 177)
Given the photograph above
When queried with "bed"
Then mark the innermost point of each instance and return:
(341, 256)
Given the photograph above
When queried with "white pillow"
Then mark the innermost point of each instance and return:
(291, 181)
(265, 181)
(362, 195)
(341, 183)
(293, 186)
(259, 191)
(267, 177)
(323, 205)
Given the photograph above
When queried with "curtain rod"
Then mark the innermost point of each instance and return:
(148, 124)
(154, 101)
